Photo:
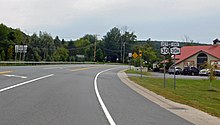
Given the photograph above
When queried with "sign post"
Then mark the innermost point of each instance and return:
(164, 51)
(130, 56)
(173, 49)
(140, 55)
(20, 49)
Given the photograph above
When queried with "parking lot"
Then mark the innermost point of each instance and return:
(161, 75)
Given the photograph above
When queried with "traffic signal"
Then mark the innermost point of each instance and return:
(140, 53)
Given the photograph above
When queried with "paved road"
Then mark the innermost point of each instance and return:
(65, 95)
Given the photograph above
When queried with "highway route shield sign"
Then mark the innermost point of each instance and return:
(164, 50)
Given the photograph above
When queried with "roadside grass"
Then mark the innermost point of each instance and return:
(131, 71)
(195, 93)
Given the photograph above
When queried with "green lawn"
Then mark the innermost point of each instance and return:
(195, 93)
(131, 71)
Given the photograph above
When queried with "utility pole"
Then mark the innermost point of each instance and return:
(123, 52)
(121, 47)
(94, 58)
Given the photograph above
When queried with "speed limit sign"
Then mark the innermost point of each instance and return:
(164, 50)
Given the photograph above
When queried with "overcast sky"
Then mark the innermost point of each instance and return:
(155, 19)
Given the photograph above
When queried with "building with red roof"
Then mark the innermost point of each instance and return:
(198, 55)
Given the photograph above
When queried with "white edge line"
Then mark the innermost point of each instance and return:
(23, 83)
(107, 114)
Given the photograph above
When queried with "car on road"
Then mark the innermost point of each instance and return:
(177, 70)
(190, 71)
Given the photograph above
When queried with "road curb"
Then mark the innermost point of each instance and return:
(186, 112)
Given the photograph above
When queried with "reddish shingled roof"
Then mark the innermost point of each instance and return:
(188, 51)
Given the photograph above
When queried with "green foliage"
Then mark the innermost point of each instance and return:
(114, 41)
(212, 68)
(61, 54)
(137, 62)
(43, 47)
(4, 31)
(3, 55)
(99, 55)
(148, 54)
(10, 52)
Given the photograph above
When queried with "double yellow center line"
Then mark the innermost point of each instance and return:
(79, 69)
(5, 72)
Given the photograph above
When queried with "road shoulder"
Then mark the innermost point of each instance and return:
(188, 113)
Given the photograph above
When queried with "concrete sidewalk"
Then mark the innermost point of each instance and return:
(190, 114)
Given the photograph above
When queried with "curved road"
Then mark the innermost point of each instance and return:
(65, 95)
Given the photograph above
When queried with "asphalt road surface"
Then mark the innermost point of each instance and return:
(67, 95)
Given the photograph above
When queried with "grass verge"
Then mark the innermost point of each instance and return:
(131, 71)
(195, 93)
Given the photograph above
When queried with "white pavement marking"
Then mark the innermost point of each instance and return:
(107, 114)
(23, 83)
(23, 77)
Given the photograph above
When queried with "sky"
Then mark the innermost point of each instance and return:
(178, 20)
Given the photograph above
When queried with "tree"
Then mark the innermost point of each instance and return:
(82, 47)
(115, 40)
(3, 55)
(3, 32)
(46, 45)
(99, 55)
(148, 54)
(10, 52)
(57, 42)
(61, 54)
(212, 68)
(112, 44)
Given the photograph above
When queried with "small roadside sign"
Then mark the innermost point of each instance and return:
(135, 55)
(174, 44)
(164, 43)
(130, 55)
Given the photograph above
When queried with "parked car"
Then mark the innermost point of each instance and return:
(217, 72)
(204, 72)
(177, 70)
(190, 71)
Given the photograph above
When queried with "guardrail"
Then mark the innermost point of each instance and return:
(40, 63)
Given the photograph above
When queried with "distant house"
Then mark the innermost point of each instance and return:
(197, 55)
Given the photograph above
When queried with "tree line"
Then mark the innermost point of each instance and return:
(113, 47)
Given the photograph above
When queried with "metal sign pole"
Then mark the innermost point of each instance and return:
(164, 51)
(141, 66)
(140, 55)
(174, 71)
(164, 77)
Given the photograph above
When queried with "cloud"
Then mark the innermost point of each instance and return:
(99, 15)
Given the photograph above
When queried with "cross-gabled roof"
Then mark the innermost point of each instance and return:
(188, 51)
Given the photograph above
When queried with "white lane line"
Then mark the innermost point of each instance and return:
(107, 114)
(23, 77)
(23, 83)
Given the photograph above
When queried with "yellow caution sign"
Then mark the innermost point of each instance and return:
(135, 55)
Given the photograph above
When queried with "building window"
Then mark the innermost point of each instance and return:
(201, 59)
